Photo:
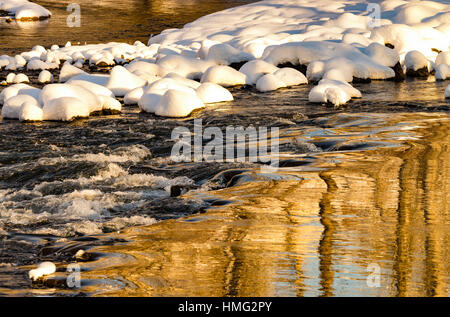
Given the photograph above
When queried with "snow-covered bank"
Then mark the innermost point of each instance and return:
(270, 44)
(24, 10)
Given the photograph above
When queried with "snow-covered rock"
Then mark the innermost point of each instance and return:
(290, 76)
(224, 54)
(60, 91)
(176, 103)
(12, 106)
(191, 68)
(269, 82)
(30, 111)
(133, 97)
(255, 69)
(21, 78)
(442, 72)
(121, 81)
(68, 71)
(24, 10)
(110, 104)
(333, 91)
(36, 64)
(19, 89)
(96, 89)
(443, 58)
(44, 268)
(45, 77)
(65, 109)
(416, 64)
(212, 93)
(224, 76)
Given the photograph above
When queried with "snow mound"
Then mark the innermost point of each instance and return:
(96, 89)
(224, 76)
(255, 69)
(45, 77)
(30, 111)
(333, 91)
(65, 109)
(443, 72)
(176, 103)
(153, 93)
(110, 104)
(224, 54)
(184, 66)
(290, 76)
(269, 82)
(213, 93)
(12, 106)
(19, 89)
(58, 91)
(68, 71)
(133, 97)
(121, 81)
(416, 62)
(37, 64)
(44, 268)
(24, 10)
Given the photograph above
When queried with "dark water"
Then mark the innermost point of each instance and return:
(366, 184)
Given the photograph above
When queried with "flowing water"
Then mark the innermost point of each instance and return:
(359, 188)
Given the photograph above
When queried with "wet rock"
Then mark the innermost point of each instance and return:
(399, 73)
(421, 72)
(357, 80)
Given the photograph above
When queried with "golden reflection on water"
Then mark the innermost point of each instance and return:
(313, 234)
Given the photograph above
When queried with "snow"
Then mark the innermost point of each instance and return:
(133, 97)
(177, 103)
(45, 77)
(153, 93)
(225, 54)
(12, 106)
(290, 76)
(213, 93)
(255, 69)
(37, 64)
(24, 10)
(185, 66)
(269, 82)
(443, 58)
(121, 81)
(44, 268)
(443, 72)
(68, 71)
(57, 91)
(333, 91)
(96, 89)
(415, 60)
(99, 79)
(19, 89)
(224, 76)
(110, 103)
(65, 109)
(31, 111)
